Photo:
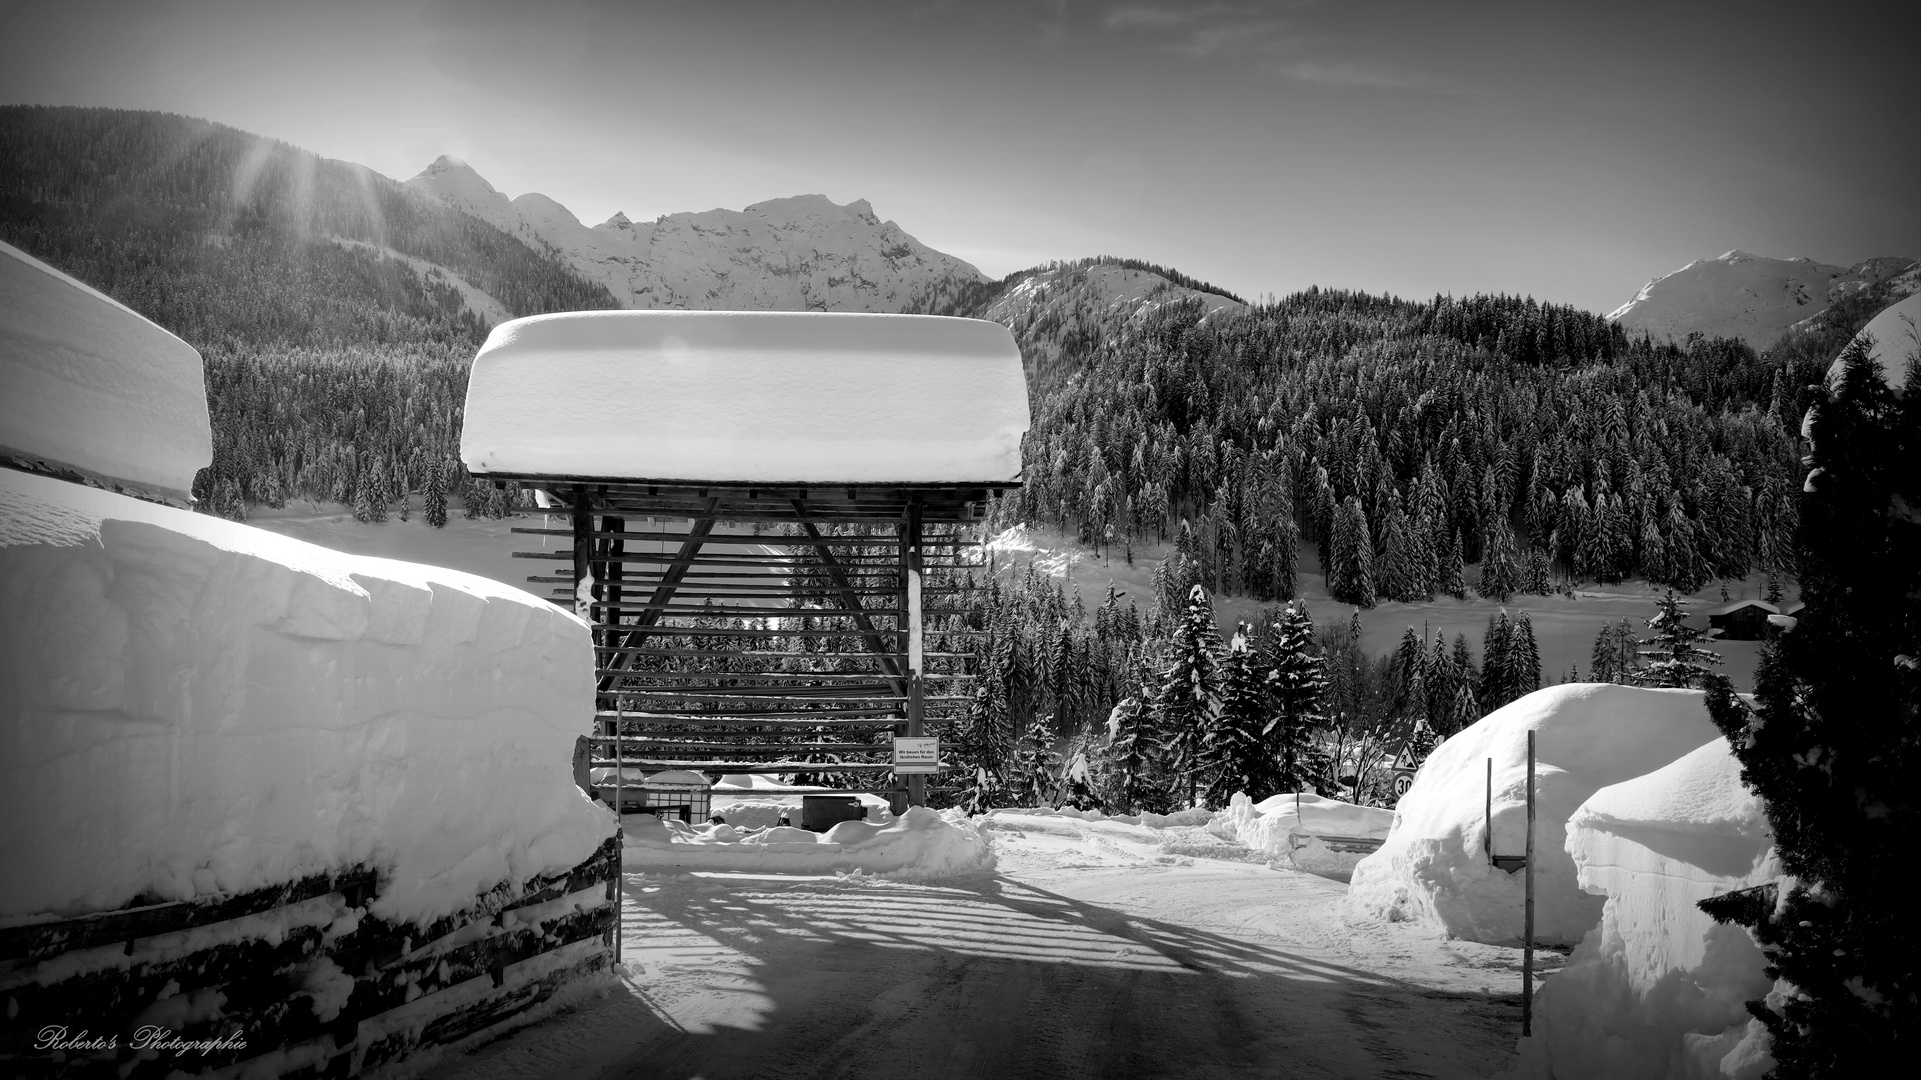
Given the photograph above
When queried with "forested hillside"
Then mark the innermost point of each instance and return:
(335, 369)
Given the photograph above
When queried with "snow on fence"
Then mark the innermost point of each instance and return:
(300, 978)
(314, 807)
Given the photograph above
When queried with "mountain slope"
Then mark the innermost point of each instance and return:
(796, 254)
(1753, 297)
(222, 236)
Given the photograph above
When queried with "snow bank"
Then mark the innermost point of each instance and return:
(921, 844)
(1658, 989)
(796, 397)
(1433, 868)
(192, 706)
(1292, 828)
(1895, 337)
(88, 385)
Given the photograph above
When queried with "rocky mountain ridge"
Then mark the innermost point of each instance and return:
(1754, 297)
(804, 253)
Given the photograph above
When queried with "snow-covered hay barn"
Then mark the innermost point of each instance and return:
(786, 495)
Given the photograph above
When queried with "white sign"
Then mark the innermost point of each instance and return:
(917, 754)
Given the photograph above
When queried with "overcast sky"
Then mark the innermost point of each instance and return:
(1567, 151)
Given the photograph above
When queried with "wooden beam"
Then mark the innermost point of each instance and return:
(690, 546)
(834, 571)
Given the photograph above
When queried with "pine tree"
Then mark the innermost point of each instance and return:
(1128, 758)
(1500, 574)
(1833, 743)
(1350, 577)
(1297, 682)
(1453, 577)
(1524, 657)
(1613, 658)
(1497, 679)
(1036, 767)
(1239, 757)
(1672, 656)
(1188, 703)
(435, 499)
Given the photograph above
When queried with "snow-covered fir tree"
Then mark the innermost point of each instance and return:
(1188, 702)
(1239, 755)
(1035, 779)
(435, 497)
(1671, 656)
(1297, 687)
(1614, 657)
(1350, 576)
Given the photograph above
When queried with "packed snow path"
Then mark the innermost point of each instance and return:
(1091, 953)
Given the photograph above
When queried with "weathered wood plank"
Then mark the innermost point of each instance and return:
(38, 940)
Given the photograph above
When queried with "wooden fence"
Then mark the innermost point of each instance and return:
(264, 976)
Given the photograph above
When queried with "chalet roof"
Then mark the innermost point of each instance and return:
(1726, 609)
(747, 397)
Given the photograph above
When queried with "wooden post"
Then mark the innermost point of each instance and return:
(1487, 816)
(620, 781)
(1527, 931)
(910, 569)
(583, 552)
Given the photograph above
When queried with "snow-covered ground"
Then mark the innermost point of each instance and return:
(1096, 948)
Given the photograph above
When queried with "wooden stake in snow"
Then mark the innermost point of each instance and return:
(1527, 925)
(1487, 817)
(620, 842)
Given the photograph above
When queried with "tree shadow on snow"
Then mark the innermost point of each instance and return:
(739, 977)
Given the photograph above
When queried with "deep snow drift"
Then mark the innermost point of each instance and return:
(1658, 988)
(1295, 828)
(1433, 867)
(192, 706)
(76, 364)
(921, 844)
(781, 397)
(1895, 338)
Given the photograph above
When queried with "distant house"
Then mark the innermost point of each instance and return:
(1793, 609)
(1743, 620)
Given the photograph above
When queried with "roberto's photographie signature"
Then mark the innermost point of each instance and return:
(152, 1037)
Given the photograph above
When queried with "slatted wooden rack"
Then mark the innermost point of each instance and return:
(753, 629)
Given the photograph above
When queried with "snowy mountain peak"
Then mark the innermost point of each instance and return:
(804, 252)
(1748, 296)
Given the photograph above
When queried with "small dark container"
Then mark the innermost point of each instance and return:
(819, 813)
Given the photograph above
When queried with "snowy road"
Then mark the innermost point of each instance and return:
(1092, 953)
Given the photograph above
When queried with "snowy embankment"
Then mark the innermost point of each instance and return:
(921, 844)
(1658, 988)
(1306, 832)
(191, 706)
(1434, 867)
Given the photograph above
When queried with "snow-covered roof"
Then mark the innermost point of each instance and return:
(1737, 605)
(88, 385)
(748, 397)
